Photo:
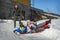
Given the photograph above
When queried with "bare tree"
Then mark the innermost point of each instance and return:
(48, 10)
(58, 9)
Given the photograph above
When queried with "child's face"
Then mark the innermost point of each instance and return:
(16, 6)
(22, 28)
(28, 22)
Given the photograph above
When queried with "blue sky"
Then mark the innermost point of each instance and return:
(47, 5)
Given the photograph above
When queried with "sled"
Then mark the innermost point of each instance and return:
(41, 26)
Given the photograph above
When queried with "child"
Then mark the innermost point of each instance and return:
(30, 26)
(22, 29)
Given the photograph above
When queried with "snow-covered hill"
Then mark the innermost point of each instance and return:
(6, 33)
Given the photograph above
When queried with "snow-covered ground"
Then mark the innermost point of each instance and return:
(6, 33)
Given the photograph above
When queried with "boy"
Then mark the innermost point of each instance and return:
(21, 30)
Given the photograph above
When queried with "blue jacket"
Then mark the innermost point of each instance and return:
(21, 31)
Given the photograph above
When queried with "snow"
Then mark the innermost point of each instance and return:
(7, 26)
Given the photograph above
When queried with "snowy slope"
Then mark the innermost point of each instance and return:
(6, 32)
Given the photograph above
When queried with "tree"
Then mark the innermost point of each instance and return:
(58, 9)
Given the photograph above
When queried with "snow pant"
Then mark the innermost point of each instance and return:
(15, 19)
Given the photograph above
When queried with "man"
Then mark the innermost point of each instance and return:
(17, 15)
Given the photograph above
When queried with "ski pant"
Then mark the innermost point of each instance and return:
(15, 19)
